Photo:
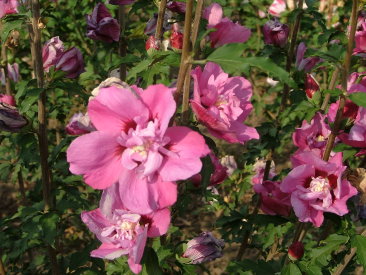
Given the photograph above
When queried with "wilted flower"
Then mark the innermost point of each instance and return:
(8, 99)
(305, 64)
(109, 82)
(222, 103)
(10, 119)
(52, 52)
(226, 31)
(13, 73)
(317, 186)
(120, 2)
(313, 135)
(123, 232)
(79, 124)
(273, 200)
(277, 7)
(204, 248)
(296, 251)
(102, 26)
(176, 6)
(275, 33)
(134, 145)
(71, 62)
(230, 164)
(311, 85)
(8, 7)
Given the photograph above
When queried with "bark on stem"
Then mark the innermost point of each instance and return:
(332, 85)
(122, 49)
(42, 120)
(290, 55)
(185, 58)
(160, 23)
(187, 81)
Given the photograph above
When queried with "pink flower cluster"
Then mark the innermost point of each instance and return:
(136, 159)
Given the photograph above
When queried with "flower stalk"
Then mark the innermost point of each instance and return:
(160, 23)
(35, 35)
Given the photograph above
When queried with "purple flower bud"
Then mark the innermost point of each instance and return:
(51, 52)
(71, 62)
(102, 26)
(10, 119)
(204, 248)
(275, 33)
(13, 72)
(175, 6)
(296, 251)
(151, 24)
(120, 2)
(79, 124)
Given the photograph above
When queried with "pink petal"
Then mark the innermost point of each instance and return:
(137, 193)
(213, 14)
(159, 99)
(137, 251)
(296, 177)
(95, 221)
(108, 251)
(159, 225)
(189, 147)
(97, 157)
(110, 201)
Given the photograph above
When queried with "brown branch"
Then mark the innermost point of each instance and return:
(185, 58)
(2, 267)
(332, 85)
(42, 119)
(160, 23)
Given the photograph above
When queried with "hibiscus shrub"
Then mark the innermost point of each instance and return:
(183, 137)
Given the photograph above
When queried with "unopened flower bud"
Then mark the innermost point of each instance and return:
(296, 251)
(204, 248)
(151, 45)
(10, 119)
(71, 62)
(311, 85)
(51, 52)
(175, 6)
(176, 40)
(275, 33)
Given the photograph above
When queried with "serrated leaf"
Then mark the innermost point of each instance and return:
(358, 98)
(150, 263)
(359, 242)
(322, 255)
(48, 224)
(8, 27)
(32, 96)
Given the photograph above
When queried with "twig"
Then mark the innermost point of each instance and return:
(122, 41)
(290, 54)
(160, 23)
(42, 119)
(185, 59)
(332, 85)
(187, 81)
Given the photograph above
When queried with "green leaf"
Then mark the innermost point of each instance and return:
(48, 223)
(359, 242)
(310, 3)
(359, 99)
(206, 171)
(32, 96)
(8, 27)
(291, 269)
(150, 263)
(322, 255)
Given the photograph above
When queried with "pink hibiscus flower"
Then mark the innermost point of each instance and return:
(226, 30)
(222, 103)
(316, 186)
(133, 145)
(277, 7)
(313, 135)
(123, 232)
